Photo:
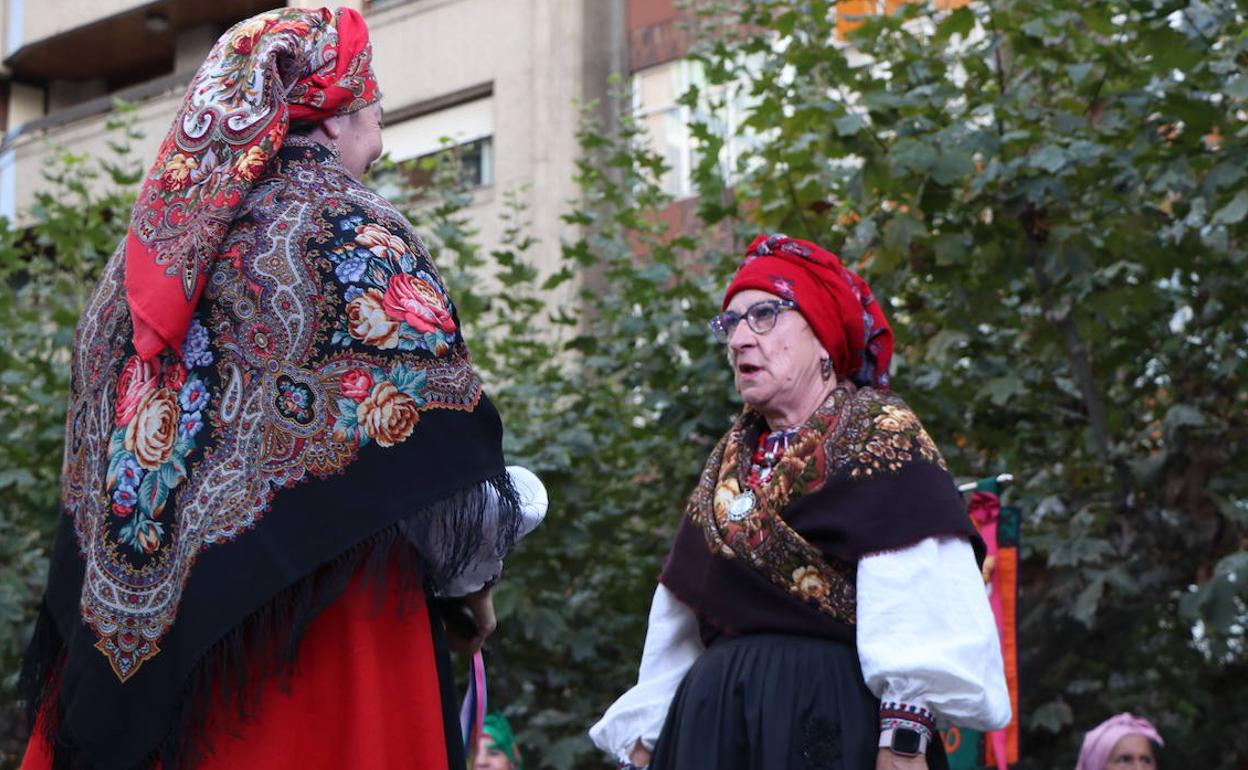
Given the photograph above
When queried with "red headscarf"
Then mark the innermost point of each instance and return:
(837, 304)
(344, 82)
(285, 64)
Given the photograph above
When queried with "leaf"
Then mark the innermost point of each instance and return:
(1087, 602)
(1052, 716)
(182, 448)
(10, 477)
(563, 753)
(1182, 416)
(152, 493)
(951, 166)
(946, 343)
(848, 125)
(914, 155)
(1079, 550)
(1232, 213)
(1217, 601)
(1077, 72)
(347, 415)
(1238, 87)
(117, 442)
(655, 272)
(1234, 509)
(1049, 158)
(408, 380)
(1000, 390)
(1234, 568)
(950, 249)
(1222, 176)
(1098, 18)
(173, 472)
(960, 22)
(1170, 49)
(898, 234)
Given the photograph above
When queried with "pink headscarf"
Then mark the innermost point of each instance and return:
(1100, 740)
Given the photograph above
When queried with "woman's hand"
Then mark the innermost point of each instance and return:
(640, 755)
(480, 606)
(887, 759)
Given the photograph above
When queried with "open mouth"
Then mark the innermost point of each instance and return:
(748, 369)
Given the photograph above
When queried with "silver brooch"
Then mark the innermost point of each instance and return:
(741, 505)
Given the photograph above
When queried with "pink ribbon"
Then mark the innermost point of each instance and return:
(472, 710)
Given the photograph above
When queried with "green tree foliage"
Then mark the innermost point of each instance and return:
(46, 271)
(1051, 194)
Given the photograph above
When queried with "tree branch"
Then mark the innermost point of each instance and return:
(797, 206)
(999, 70)
(1080, 362)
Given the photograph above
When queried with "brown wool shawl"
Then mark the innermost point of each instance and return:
(861, 476)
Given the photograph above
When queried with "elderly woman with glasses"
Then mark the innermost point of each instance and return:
(821, 606)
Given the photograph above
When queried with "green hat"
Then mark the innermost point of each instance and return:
(499, 730)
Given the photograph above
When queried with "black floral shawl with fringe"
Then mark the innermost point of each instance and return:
(322, 406)
(780, 555)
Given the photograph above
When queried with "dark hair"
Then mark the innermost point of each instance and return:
(301, 128)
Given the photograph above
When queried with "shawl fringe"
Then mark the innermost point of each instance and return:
(40, 674)
(265, 644)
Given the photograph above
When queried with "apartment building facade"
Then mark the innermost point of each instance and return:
(500, 78)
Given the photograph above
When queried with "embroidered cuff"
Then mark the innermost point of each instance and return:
(893, 714)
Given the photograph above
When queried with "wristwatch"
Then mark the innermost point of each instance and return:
(904, 741)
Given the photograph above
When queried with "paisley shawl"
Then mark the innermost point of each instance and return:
(216, 497)
(860, 476)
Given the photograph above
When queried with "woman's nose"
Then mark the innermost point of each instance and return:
(742, 336)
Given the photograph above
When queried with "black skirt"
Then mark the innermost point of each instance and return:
(774, 702)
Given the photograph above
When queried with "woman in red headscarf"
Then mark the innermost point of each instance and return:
(821, 606)
(278, 450)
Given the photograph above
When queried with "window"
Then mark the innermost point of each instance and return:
(655, 91)
(381, 5)
(666, 122)
(465, 131)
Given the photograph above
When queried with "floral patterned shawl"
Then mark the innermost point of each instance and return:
(779, 553)
(322, 404)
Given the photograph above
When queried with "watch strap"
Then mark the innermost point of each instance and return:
(905, 741)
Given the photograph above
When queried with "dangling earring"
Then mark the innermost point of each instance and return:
(825, 369)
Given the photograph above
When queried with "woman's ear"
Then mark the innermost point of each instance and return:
(332, 126)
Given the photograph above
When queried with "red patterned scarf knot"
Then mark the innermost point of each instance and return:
(281, 65)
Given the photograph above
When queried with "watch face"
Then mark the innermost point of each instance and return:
(905, 741)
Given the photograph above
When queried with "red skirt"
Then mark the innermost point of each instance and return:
(364, 693)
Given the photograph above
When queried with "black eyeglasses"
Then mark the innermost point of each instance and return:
(761, 316)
